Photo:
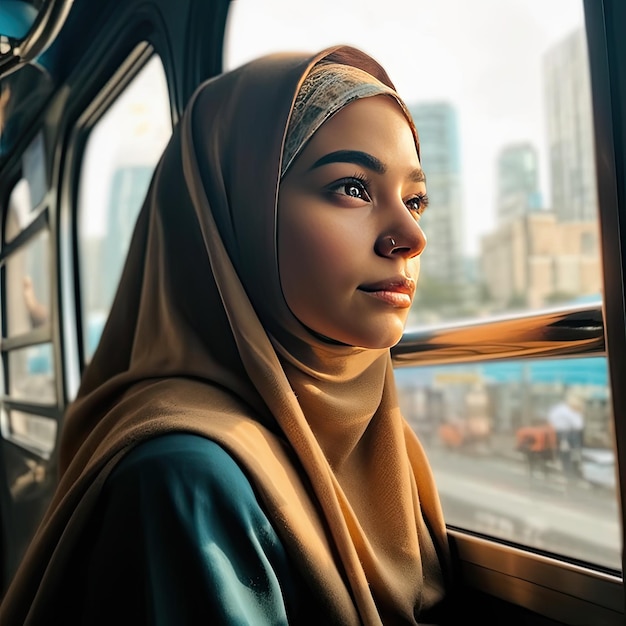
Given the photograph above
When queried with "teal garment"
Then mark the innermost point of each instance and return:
(180, 539)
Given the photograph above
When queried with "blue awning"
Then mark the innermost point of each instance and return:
(574, 371)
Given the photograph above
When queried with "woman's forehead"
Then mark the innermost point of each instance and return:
(376, 126)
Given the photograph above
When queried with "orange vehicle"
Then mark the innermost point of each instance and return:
(539, 439)
(539, 444)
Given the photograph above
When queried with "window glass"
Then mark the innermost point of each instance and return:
(522, 450)
(28, 286)
(30, 191)
(501, 99)
(20, 213)
(34, 168)
(121, 154)
(31, 374)
(32, 430)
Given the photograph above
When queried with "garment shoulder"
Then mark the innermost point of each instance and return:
(180, 456)
(182, 517)
(192, 478)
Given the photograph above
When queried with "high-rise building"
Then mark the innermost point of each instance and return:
(536, 260)
(517, 182)
(128, 187)
(436, 124)
(569, 129)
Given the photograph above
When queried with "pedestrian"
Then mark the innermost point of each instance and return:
(236, 454)
(566, 418)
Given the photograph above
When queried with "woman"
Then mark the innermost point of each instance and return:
(236, 454)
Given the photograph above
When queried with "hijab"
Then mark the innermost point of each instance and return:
(200, 339)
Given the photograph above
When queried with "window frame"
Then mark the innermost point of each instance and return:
(69, 263)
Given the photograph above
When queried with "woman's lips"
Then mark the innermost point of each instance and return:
(398, 292)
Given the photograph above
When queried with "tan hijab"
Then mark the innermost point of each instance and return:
(200, 340)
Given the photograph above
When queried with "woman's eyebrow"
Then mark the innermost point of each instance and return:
(417, 175)
(352, 156)
(364, 159)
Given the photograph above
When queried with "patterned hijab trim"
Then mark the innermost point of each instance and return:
(326, 90)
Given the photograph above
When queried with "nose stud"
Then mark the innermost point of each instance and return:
(392, 241)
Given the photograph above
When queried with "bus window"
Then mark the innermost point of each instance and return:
(33, 431)
(30, 191)
(503, 109)
(121, 153)
(28, 281)
(501, 98)
(522, 450)
(28, 354)
(31, 376)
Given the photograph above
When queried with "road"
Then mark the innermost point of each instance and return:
(495, 495)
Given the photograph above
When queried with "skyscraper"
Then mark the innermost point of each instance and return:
(436, 124)
(517, 182)
(569, 129)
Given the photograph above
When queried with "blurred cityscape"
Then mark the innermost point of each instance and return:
(544, 248)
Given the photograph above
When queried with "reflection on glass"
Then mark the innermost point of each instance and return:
(34, 169)
(36, 432)
(19, 214)
(121, 154)
(31, 374)
(28, 286)
(522, 450)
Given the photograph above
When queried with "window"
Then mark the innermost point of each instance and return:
(27, 272)
(500, 468)
(28, 355)
(501, 98)
(121, 154)
(28, 194)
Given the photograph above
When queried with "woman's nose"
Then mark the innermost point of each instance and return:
(404, 237)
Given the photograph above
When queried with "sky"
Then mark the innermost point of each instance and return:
(484, 56)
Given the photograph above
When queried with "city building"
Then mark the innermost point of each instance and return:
(569, 130)
(536, 260)
(517, 182)
(439, 139)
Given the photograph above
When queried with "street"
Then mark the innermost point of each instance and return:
(495, 495)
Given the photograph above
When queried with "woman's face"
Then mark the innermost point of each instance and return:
(348, 225)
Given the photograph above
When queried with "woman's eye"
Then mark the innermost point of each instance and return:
(352, 188)
(417, 204)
